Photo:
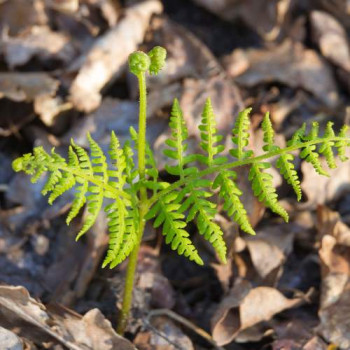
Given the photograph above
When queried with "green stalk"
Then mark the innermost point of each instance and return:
(130, 273)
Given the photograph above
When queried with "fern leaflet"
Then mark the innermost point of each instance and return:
(166, 212)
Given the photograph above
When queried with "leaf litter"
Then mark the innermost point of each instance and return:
(63, 74)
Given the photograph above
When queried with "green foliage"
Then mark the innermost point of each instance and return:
(131, 198)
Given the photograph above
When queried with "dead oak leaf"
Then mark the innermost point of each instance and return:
(246, 307)
(35, 322)
(293, 65)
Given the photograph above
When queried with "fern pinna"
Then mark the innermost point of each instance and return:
(135, 194)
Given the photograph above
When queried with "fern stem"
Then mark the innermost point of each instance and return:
(129, 280)
(92, 180)
(239, 163)
(143, 208)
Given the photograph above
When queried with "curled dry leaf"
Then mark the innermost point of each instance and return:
(245, 307)
(331, 38)
(335, 262)
(291, 64)
(40, 42)
(35, 322)
(106, 59)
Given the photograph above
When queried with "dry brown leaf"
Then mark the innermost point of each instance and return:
(65, 6)
(334, 254)
(264, 16)
(321, 189)
(334, 325)
(40, 42)
(16, 15)
(49, 108)
(26, 86)
(331, 38)
(270, 247)
(245, 307)
(9, 340)
(35, 322)
(106, 59)
(315, 343)
(165, 336)
(294, 65)
(335, 289)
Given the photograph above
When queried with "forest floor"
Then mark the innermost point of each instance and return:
(63, 74)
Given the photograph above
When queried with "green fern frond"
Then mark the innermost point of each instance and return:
(203, 211)
(230, 193)
(269, 134)
(209, 138)
(286, 166)
(122, 220)
(117, 157)
(129, 239)
(298, 136)
(130, 171)
(263, 188)
(96, 196)
(342, 145)
(177, 145)
(241, 135)
(166, 213)
(327, 147)
(122, 232)
(309, 152)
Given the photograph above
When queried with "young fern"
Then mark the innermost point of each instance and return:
(135, 193)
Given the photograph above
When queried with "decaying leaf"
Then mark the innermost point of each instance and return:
(26, 86)
(16, 15)
(65, 6)
(106, 59)
(324, 189)
(245, 307)
(335, 258)
(294, 65)
(35, 322)
(269, 248)
(9, 340)
(331, 38)
(163, 335)
(40, 42)
(264, 16)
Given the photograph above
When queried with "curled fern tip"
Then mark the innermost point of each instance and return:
(139, 62)
(157, 56)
